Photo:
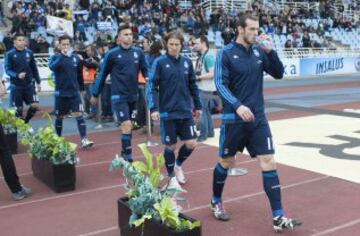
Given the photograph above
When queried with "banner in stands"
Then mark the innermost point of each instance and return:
(59, 26)
(291, 67)
(329, 66)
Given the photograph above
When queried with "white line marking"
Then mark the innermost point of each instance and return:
(228, 200)
(331, 230)
(96, 163)
(62, 196)
(260, 193)
(100, 231)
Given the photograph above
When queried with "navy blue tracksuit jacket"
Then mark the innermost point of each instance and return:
(171, 87)
(124, 66)
(21, 61)
(68, 75)
(239, 76)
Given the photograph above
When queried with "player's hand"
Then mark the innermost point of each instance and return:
(265, 42)
(38, 87)
(64, 52)
(198, 113)
(22, 75)
(155, 115)
(2, 89)
(93, 100)
(245, 113)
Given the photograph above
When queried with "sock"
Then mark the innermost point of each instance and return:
(273, 191)
(219, 177)
(58, 125)
(126, 151)
(30, 113)
(169, 156)
(81, 126)
(184, 152)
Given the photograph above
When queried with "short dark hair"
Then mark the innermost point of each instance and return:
(123, 26)
(155, 48)
(205, 40)
(17, 35)
(175, 35)
(64, 37)
(247, 16)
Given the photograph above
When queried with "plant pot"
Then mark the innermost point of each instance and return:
(60, 178)
(11, 139)
(150, 227)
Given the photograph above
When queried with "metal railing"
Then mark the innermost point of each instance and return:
(227, 5)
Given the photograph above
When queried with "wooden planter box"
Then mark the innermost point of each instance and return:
(12, 142)
(60, 178)
(151, 227)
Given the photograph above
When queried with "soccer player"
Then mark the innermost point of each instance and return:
(69, 82)
(239, 71)
(21, 67)
(123, 63)
(170, 93)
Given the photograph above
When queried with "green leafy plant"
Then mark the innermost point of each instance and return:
(146, 199)
(45, 144)
(12, 124)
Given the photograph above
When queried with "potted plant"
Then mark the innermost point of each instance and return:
(11, 124)
(147, 205)
(53, 159)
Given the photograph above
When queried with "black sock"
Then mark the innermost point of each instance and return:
(126, 150)
(30, 113)
(219, 177)
(81, 126)
(273, 191)
(58, 125)
(184, 153)
(169, 156)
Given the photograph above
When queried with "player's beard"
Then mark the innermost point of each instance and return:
(248, 41)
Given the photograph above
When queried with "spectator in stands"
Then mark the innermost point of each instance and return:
(79, 37)
(39, 45)
(288, 44)
(2, 16)
(8, 40)
(228, 35)
(79, 25)
(306, 42)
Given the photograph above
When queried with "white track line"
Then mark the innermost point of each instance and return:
(100, 231)
(62, 196)
(108, 187)
(99, 163)
(334, 229)
(228, 200)
(260, 193)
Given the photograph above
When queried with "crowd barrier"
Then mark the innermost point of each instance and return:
(298, 63)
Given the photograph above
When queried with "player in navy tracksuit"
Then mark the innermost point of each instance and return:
(123, 63)
(171, 90)
(239, 81)
(21, 67)
(67, 70)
